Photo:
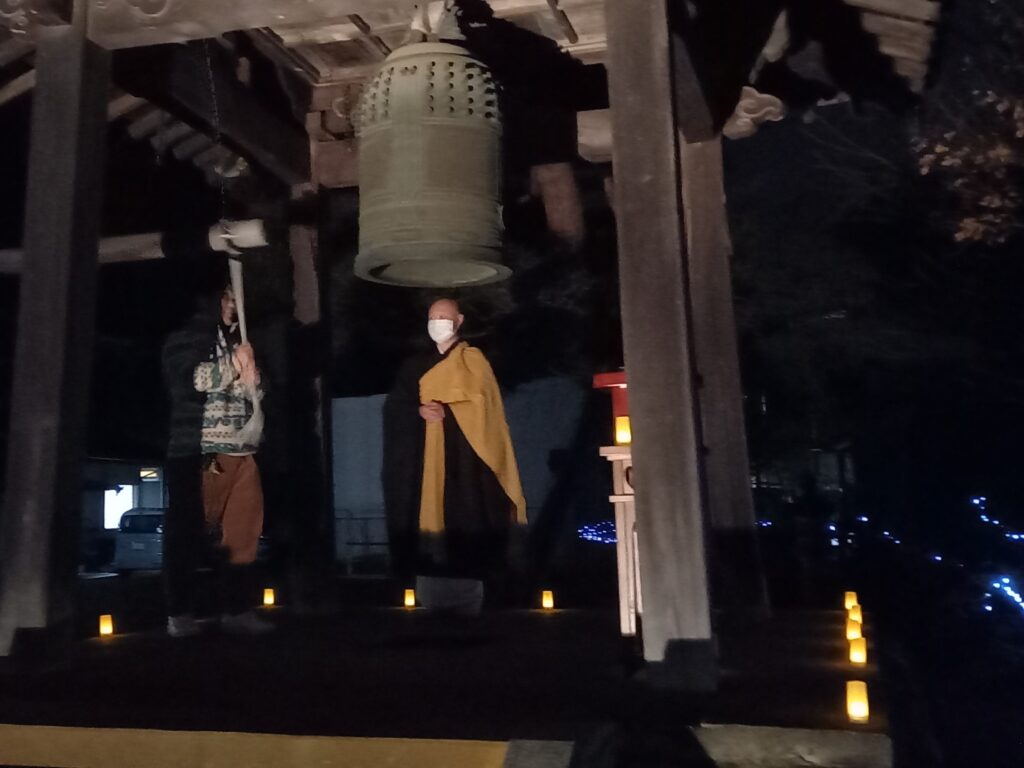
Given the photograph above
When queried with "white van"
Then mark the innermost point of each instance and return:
(140, 543)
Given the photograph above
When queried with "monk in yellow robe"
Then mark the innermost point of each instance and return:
(451, 483)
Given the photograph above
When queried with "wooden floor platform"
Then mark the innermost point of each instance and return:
(392, 675)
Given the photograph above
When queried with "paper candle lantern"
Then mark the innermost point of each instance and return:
(623, 433)
(857, 701)
(268, 596)
(106, 624)
(859, 651)
(850, 600)
(410, 598)
(853, 629)
(855, 613)
(547, 599)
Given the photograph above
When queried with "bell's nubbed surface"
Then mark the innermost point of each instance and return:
(430, 171)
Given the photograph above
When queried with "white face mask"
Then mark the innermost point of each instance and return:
(441, 330)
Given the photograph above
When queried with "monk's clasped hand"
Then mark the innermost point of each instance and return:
(432, 412)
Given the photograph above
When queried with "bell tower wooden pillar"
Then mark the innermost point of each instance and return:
(658, 342)
(56, 315)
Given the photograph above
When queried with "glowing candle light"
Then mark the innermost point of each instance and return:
(106, 624)
(859, 651)
(857, 701)
(854, 630)
(410, 598)
(850, 600)
(547, 599)
(856, 614)
(268, 596)
(623, 434)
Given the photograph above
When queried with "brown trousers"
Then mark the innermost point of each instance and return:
(233, 503)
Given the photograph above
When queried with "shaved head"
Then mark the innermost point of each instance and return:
(445, 309)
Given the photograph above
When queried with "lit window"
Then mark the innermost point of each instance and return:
(116, 502)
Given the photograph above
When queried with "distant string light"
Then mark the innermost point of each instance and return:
(980, 502)
(602, 533)
(1006, 587)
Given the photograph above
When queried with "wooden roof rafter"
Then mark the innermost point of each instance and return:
(913, 10)
(13, 48)
(343, 52)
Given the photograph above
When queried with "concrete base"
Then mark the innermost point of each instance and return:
(690, 666)
(538, 754)
(742, 746)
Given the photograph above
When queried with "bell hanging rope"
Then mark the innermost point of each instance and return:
(430, 171)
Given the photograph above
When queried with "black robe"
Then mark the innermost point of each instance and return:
(477, 511)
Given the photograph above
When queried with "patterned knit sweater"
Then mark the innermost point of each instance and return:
(229, 404)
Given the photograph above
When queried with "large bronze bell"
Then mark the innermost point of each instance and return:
(430, 171)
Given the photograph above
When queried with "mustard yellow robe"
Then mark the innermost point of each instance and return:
(452, 489)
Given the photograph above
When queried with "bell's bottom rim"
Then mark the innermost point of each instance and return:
(368, 262)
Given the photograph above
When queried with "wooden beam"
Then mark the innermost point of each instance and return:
(915, 71)
(320, 35)
(594, 135)
(111, 250)
(564, 24)
(170, 135)
(901, 48)
(53, 350)
(382, 48)
(736, 571)
(127, 24)
(335, 163)
(321, 65)
(508, 10)
(192, 146)
(694, 113)
(880, 24)
(148, 123)
(253, 131)
(670, 498)
(12, 49)
(917, 10)
(272, 46)
(714, 56)
(26, 18)
(590, 49)
(310, 442)
(306, 288)
(555, 184)
(20, 85)
(123, 105)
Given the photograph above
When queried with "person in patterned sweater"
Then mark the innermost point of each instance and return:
(213, 482)
(231, 434)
